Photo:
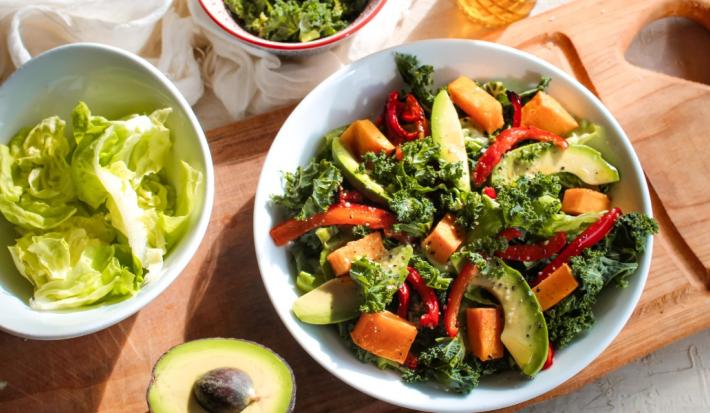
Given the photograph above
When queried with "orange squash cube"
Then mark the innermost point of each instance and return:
(485, 326)
(581, 200)
(555, 287)
(443, 240)
(483, 108)
(544, 112)
(385, 335)
(369, 246)
(362, 136)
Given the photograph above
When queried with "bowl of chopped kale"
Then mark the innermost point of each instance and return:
(291, 27)
(453, 226)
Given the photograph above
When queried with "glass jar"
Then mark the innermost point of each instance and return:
(496, 13)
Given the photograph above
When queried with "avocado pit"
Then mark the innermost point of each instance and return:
(224, 390)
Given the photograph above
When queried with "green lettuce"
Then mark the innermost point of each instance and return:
(94, 212)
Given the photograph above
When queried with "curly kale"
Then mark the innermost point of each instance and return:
(379, 281)
(419, 78)
(310, 189)
(615, 259)
(434, 277)
(413, 183)
(295, 20)
(530, 202)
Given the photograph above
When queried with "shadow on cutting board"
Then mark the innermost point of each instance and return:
(59, 376)
(229, 300)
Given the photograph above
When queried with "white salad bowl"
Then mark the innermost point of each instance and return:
(113, 83)
(359, 90)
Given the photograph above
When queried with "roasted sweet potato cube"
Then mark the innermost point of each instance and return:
(369, 246)
(483, 108)
(544, 112)
(485, 325)
(581, 200)
(362, 136)
(385, 335)
(555, 287)
(443, 240)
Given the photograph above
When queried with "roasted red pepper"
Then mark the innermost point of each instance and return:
(411, 361)
(353, 197)
(511, 233)
(534, 252)
(339, 214)
(514, 99)
(429, 319)
(550, 357)
(453, 303)
(490, 192)
(403, 296)
(593, 234)
(505, 142)
(409, 111)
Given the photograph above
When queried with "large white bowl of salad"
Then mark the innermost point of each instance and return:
(453, 225)
(105, 192)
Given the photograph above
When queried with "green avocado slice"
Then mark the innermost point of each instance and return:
(349, 166)
(175, 374)
(581, 160)
(447, 132)
(524, 331)
(334, 301)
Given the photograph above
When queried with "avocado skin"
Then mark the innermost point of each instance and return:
(348, 165)
(289, 409)
(224, 390)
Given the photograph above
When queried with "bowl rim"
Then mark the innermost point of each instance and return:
(584, 360)
(298, 46)
(123, 309)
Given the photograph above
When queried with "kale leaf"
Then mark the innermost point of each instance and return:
(379, 281)
(309, 190)
(445, 362)
(434, 277)
(615, 259)
(295, 20)
(419, 78)
(530, 202)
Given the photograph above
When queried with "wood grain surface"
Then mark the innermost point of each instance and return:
(220, 292)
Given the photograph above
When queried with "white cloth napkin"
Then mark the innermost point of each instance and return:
(183, 42)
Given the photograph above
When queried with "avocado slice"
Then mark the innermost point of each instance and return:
(334, 301)
(524, 331)
(349, 166)
(581, 160)
(226, 374)
(447, 132)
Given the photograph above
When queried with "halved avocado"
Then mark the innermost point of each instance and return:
(447, 132)
(334, 301)
(581, 160)
(524, 331)
(349, 166)
(228, 375)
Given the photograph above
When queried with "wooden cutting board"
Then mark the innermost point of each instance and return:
(220, 293)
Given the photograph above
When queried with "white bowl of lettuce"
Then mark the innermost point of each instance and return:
(106, 188)
(359, 91)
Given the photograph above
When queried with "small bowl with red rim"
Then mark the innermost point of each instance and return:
(221, 15)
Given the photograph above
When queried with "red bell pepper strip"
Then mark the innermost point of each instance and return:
(511, 233)
(429, 319)
(550, 357)
(403, 296)
(534, 252)
(490, 192)
(505, 142)
(514, 99)
(352, 214)
(354, 197)
(411, 361)
(409, 111)
(593, 234)
(453, 304)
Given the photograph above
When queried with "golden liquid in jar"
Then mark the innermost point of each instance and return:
(495, 13)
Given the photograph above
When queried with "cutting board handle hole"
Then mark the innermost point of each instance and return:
(676, 46)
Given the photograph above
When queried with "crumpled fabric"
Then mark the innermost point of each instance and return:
(183, 42)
